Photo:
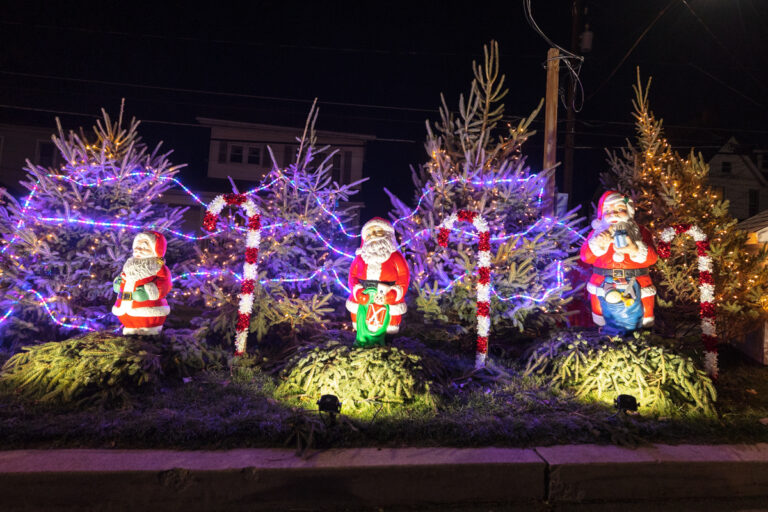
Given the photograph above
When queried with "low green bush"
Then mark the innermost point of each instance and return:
(102, 366)
(600, 368)
(365, 380)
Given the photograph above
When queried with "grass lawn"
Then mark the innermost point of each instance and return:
(222, 407)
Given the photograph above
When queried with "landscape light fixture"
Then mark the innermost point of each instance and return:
(330, 405)
(625, 403)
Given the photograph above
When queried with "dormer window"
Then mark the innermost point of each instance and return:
(725, 167)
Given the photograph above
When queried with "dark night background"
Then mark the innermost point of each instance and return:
(378, 68)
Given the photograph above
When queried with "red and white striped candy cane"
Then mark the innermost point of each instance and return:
(484, 275)
(252, 241)
(706, 287)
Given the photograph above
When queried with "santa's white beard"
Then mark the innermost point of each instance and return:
(631, 227)
(376, 251)
(140, 268)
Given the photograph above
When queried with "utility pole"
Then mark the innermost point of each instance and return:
(570, 120)
(550, 124)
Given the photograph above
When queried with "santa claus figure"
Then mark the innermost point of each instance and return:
(620, 252)
(378, 280)
(142, 286)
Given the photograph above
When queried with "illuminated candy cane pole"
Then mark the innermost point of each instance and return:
(484, 275)
(706, 288)
(252, 241)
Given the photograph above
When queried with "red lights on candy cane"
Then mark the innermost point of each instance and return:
(484, 275)
(252, 241)
(706, 287)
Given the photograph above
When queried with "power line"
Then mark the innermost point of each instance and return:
(631, 49)
(213, 93)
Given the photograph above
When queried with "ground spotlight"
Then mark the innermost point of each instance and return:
(625, 403)
(329, 404)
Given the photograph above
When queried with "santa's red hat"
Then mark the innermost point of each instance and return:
(378, 222)
(612, 197)
(155, 239)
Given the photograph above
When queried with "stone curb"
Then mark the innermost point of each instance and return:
(269, 479)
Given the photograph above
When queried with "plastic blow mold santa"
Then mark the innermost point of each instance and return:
(620, 251)
(142, 286)
(378, 280)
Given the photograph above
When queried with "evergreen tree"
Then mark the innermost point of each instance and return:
(65, 242)
(303, 248)
(670, 189)
(476, 163)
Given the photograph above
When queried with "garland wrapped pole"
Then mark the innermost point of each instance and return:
(252, 242)
(484, 275)
(706, 287)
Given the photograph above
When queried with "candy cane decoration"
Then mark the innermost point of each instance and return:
(484, 275)
(706, 288)
(252, 241)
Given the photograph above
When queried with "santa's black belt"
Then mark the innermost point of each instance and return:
(370, 283)
(620, 273)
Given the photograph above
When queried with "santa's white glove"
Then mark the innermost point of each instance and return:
(381, 294)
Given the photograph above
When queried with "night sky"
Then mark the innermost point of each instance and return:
(379, 68)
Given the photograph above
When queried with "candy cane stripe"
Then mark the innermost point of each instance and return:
(250, 267)
(484, 275)
(706, 287)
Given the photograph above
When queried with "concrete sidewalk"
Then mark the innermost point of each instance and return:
(571, 477)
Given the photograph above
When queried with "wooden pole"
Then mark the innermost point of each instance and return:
(570, 123)
(550, 125)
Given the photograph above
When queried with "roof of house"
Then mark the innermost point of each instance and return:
(754, 224)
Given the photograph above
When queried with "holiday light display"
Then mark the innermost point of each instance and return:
(707, 304)
(142, 287)
(671, 189)
(476, 164)
(251, 258)
(61, 267)
(378, 280)
(483, 278)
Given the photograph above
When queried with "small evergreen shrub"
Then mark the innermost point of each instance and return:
(101, 366)
(602, 367)
(365, 380)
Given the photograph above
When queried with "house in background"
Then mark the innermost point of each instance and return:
(739, 173)
(239, 150)
(236, 149)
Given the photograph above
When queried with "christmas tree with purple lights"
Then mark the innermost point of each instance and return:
(64, 243)
(304, 254)
(476, 164)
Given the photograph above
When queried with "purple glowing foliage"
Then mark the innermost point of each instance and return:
(476, 163)
(70, 235)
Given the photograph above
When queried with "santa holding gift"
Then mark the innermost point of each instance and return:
(620, 251)
(378, 280)
(142, 286)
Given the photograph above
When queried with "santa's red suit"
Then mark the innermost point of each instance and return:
(390, 277)
(608, 263)
(150, 280)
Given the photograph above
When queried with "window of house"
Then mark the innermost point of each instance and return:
(1, 148)
(46, 153)
(235, 154)
(719, 192)
(764, 161)
(346, 174)
(725, 167)
(289, 154)
(754, 201)
(336, 167)
(254, 155)
(222, 152)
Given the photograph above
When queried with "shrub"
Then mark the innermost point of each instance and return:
(365, 380)
(101, 366)
(602, 367)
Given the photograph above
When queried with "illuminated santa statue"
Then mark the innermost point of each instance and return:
(378, 280)
(620, 289)
(142, 286)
